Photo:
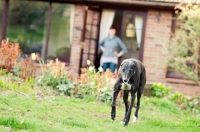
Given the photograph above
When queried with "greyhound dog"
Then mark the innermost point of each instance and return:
(131, 79)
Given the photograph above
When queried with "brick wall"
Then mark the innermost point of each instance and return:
(157, 32)
(189, 89)
(76, 42)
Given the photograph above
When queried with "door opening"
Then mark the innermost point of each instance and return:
(132, 34)
(130, 28)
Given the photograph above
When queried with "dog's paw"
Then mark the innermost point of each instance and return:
(134, 118)
(121, 122)
(126, 122)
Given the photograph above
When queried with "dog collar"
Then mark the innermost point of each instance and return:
(125, 86)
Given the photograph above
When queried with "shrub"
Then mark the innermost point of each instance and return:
(190, 103)
(193, 104)
(56, 76)
(88, 84)
(159, 90)
(10, 60)
(182, 52)
(96, 83)
(178, 98)
(9, 53)
(105, 94)
(25, 68)
(65, 86)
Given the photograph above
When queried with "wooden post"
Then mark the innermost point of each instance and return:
(4, 20)
(48, 31)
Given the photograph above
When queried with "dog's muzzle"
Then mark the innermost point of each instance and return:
(125, 78)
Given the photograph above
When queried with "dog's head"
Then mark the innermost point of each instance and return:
(128, 69)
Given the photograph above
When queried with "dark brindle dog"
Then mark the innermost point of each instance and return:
(131, 78)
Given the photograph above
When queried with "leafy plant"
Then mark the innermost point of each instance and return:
(189, 103)
(65, 86)
(178, 98)
(56, 76)
(105, 94)
(25, 68)
(159, 90)
(183, 48)
(10, 60)
(92, 82)
(9, 53)
(85, 91)
(193, 104)
(2, 72)
(87, 82)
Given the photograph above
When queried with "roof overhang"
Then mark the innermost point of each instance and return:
(160, 4)
(135, 2)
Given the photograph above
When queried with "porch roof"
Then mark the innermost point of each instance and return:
(129, 1)
(167, 4)
(146, 1)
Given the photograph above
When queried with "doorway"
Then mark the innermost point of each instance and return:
(130, 29)
(90, 36)
(132, 34)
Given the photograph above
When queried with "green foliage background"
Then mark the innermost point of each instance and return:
(183, 48)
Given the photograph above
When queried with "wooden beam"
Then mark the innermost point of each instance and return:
(48, 31)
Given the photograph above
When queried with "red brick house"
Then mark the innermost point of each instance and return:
(142, 25)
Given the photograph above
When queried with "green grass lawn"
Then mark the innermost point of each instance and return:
(62, 114)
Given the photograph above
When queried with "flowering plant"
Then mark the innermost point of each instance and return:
(9, 53)
(96, 82)
(25, 68)
(55, 75)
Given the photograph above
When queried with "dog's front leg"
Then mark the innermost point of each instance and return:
(113, 104)
(127, 118)
(125, 98)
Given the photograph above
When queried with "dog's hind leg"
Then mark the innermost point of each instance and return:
(138, 106)
(139, 93)
(125, 98)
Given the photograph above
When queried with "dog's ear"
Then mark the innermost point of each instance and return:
(122, 63)
(134, 64)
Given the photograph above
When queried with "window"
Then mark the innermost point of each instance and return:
(26, 24)
(1, 15)
(61, 32)
(132, 34)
